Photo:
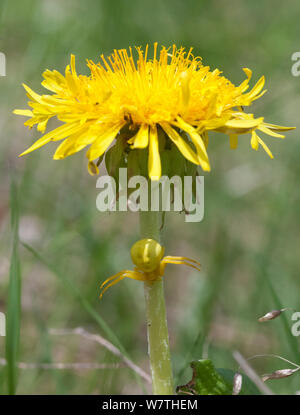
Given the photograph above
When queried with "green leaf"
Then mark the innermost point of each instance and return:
(14, 300)
(133, 163)
(115, 158)
(177, 163)
(207, 380)
(143, 162)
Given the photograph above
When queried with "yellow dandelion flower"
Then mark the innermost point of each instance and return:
(148, 256)
(173, 94)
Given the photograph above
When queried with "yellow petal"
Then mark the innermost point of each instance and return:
(248, 73)
(36, 120)
(73, 68)
(32, 95)
(215, 123)
(245, 84)
(154, 164)
(93, 168)
(233, 140)
(268, 131)
(254, 141)
(74, 143)
(197, 141)
(265, 147)
(182, 145)
(55, 135)
(101, 144)
(53, 81)
(185, 78)
(280, 128)
(253, 94)
(71, 81)
(243, 124)
(42, 125)
(63, 149)
(141, 139)
(26, 113)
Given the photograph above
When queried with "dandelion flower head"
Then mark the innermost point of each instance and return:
(147, 103)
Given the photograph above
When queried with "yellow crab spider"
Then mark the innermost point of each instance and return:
(147, 256)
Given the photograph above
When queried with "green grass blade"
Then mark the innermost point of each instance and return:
(76, 293)
(14, 300)
(292, 341)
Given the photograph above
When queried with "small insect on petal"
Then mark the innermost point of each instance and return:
(237, 384)
(279, 374)
(271, 315)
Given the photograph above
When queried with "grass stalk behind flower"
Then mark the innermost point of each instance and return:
(269, 275)
(14, 299)
(291, 340)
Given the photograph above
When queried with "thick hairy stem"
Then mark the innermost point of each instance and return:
(157, 328)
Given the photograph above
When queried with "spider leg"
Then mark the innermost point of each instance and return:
(181, 261)
(178, 258)
(113, 277)
(109, 282)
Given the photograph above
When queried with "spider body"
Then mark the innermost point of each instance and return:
(147, 256)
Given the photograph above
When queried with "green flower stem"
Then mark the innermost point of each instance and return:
(157, 328)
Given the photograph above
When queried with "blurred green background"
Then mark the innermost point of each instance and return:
(248, 242)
